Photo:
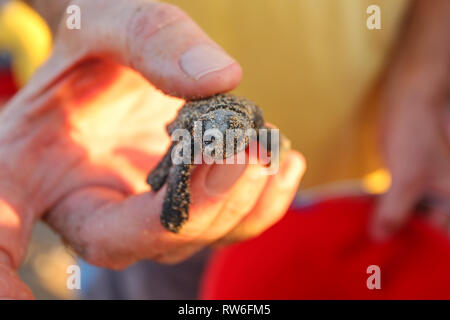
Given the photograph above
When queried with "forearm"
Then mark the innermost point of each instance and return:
(424, 46)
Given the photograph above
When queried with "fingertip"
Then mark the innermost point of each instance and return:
(386, 222)
(220, 81)
(394, 208)
(380, 230)
(293, 169)
(298, 161)
(211, 83)
(192, 80)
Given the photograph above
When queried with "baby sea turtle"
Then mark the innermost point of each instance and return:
(220, 112)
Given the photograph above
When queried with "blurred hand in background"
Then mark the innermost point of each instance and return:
(416, 120)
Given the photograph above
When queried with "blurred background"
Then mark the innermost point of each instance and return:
(45, 266)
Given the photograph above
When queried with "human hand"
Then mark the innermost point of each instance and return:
(416, 121)
(77, 143)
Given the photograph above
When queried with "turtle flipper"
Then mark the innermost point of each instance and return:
(175, 210)
(158, 176)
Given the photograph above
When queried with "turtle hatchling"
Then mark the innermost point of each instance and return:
(221, 112)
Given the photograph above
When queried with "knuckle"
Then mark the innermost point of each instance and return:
(165, 11)
(152, 17)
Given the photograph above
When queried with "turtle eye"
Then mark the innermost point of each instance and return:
(210, 141)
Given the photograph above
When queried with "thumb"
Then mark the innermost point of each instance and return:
(156, 39)
(395, 207)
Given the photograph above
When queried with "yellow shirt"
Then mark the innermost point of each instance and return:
(309, 65)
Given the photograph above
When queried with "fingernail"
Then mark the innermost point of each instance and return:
(221, 177)
(203, 59)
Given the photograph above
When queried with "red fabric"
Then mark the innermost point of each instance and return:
(7, 84)
(323, 253)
